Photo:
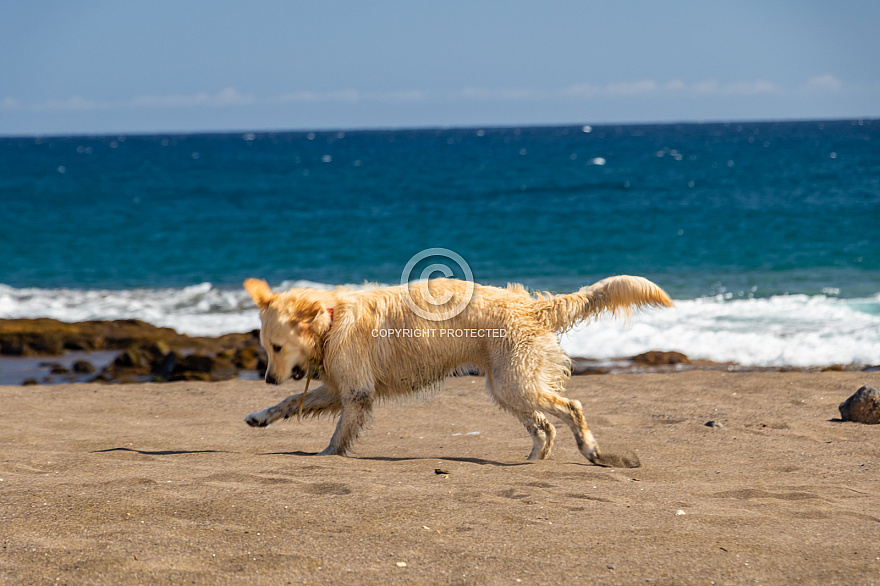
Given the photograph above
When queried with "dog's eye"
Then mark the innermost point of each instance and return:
(276, 349)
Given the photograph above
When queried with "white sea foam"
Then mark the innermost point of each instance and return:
(198, 310)
(790, 330)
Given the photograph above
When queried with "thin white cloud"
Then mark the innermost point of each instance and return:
(473, 93)
(581, 90)
(226, 97)
(824, 83)
(739, 88)
(633, 88)
(404, 96)
(648, 87)
(74, 103)
(707, 87)
(349, 96)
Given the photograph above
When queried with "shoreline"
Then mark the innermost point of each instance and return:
(50, 352)
(64, 369)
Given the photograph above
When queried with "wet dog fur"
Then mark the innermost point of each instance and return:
(335, 332)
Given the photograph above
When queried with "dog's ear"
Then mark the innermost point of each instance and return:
(259, 291)
(306, 312)
(312, 316)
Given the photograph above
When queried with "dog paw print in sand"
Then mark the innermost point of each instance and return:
(618, 459)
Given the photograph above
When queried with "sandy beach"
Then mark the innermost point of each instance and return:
(149, 483)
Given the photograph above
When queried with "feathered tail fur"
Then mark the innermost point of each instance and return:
(618, 295)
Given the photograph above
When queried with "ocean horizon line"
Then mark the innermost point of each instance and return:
(378, 129)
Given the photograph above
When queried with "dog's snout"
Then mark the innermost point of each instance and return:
(270, 378)
(297, 372)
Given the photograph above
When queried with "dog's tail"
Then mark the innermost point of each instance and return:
(619, 295)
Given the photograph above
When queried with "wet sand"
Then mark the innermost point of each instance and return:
(164, 483)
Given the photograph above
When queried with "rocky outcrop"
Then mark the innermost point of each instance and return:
(48, 337)
(147, 352)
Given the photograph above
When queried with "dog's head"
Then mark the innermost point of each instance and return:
(293, 324)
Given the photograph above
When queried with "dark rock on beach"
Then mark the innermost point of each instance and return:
(164, 367)
(248, 358)
(657, 358)
(83, 367)
(197, 367)
(863, 406)
(55, 368)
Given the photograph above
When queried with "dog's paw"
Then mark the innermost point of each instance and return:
(258, 419)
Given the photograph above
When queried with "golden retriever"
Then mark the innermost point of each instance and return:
(368, 345)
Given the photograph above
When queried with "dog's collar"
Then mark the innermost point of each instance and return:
(320, 361)
(312, 369)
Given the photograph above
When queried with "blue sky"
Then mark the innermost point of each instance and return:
(122, 67)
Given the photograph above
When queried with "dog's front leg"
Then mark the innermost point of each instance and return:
(319, 401)
(357, 407)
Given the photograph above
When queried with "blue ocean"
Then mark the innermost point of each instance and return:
(767, 235)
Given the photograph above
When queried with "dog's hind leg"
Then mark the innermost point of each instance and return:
(571, 412)
(317, 402)
(542, 431)
(533, 381)
(357, 407)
